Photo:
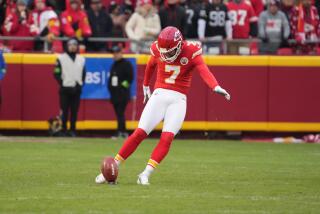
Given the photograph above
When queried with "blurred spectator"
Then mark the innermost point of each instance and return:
(172, 14)
(10, 5)
(144, 24)
(273, 28)
(58, 6)
(70, 73)
(107, 3)
(2, 11)
(121, 77)
(214, 24)
(43, 21)
(244, 25)
(119, 21)
(16, 25)
(158, 3)
(74, 21)
(305, 27)
(128, 7)
(257, 6)
(317, 5)
(101, 25)
(287, 7)
(192, 8)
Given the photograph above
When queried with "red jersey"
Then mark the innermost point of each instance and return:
(16, 25)
(257, 6)
(78, 18)
(305, 23)
(177, 75)
(39, 21)
(241, 15)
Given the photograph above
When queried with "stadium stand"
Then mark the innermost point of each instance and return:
(41, 25)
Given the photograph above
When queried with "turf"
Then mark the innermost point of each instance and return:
(55, 175)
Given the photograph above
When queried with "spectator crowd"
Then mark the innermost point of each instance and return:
(282, 26)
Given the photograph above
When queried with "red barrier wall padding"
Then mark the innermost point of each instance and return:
(248, 87)
(11, 90)
(39, 92)
(294, 94)
(259, 93)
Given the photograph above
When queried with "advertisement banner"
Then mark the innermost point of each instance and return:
(98, 72)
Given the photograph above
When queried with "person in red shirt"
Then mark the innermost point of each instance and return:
(175, 61)
(10, 5)
(244, 25)
(43, 21)
(74, 21)
(305, 27)
(16, 25)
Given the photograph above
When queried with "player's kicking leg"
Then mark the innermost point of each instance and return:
(174, 117)
(152, 115)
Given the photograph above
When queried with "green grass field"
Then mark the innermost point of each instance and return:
(56, 175)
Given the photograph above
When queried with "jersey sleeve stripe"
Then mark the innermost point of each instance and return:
(197, 53)
(151, 51)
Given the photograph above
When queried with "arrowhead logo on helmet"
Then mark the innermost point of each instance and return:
(177, 36)
(169, 44)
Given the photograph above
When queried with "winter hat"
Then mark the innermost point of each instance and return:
(21, 2)
(274, 2)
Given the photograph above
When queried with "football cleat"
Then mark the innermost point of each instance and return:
(100, 179)
(143, 180)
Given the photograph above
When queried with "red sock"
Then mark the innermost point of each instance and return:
(162, 149)
(131, 144)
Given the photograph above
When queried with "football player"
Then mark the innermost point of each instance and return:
(174, 60)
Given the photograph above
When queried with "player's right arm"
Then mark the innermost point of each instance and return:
(208, 77)
(151, 67)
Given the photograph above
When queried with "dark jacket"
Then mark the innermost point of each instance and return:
(120, 72)
(173, 15)
(101, 26)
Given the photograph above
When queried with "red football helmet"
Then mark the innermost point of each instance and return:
(169, 44)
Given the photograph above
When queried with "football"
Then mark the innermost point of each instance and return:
(109, 169)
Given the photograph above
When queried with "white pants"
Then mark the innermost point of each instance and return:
(167, 105)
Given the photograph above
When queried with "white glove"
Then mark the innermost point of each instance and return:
(223, 92)
(146, 93)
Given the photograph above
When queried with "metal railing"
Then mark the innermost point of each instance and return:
(222, 45)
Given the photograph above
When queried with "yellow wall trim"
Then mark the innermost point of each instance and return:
(188, 125)
(142, 59)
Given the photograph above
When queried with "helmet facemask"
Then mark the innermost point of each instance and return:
(170, 55)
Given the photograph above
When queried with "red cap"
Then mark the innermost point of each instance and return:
(143, 2)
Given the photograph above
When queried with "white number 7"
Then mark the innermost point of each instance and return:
(172, 68)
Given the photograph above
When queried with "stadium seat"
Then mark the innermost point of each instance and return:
(254, 50)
